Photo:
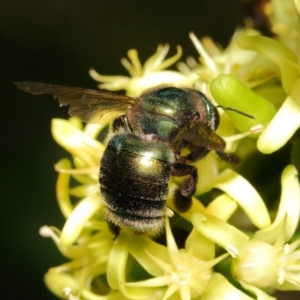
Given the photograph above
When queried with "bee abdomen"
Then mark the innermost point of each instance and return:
(134, 178)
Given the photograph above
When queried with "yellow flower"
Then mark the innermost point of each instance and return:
(185, 273)
(269, 250)
(254, 74)
(266, 260)
(215, 61)
(151, 74)
(87, 242)
(264, 76)
(235, 78)
(275, 135)
(85, 238)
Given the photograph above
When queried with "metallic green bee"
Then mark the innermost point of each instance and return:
(145, 151)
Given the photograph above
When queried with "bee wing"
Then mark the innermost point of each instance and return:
(88, 105)
(199, 135)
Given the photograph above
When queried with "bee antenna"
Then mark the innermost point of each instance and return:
(237, 111)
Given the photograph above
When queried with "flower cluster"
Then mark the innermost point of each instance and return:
(230, 244)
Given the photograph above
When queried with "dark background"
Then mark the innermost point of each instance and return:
(57, 41)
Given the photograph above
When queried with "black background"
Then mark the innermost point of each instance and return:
(57, 41)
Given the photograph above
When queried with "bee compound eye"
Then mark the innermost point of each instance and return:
(214, 118)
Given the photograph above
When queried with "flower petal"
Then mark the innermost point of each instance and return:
(136, 86)
(260, 295)
(116, 271)
(220, 232)
(277, 52)
(152, 282)
(76, 142)
(281, 128)
(228, 91)
(171, 244)
(57, 282)
(295, 93)
(203, 247)
(222, 207)
(219, 286)
(62, 188)
(239, 189)
(289, 207)
(137, 250)
(76, 221)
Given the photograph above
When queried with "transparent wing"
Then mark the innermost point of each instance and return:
(88, 105)
(199, 135)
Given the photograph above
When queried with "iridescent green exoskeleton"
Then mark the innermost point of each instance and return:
(150, 134)
(134, 178)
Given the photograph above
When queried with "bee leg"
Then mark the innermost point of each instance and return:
(114, 229)
(183, 195)
(230, 157)
(194, 155)
(201, 152)
(121, 122)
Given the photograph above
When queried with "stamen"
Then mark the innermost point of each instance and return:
(232, 251)
(207, 59)
(46, 231)
(67, 293)
(257, 128)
